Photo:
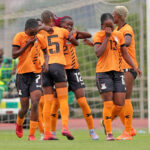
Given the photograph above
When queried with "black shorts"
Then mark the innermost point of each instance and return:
(134, 74)
(56, 73)
(28, 82)
(111, 81)
(74, 79)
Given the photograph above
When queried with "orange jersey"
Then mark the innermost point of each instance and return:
(71, 56)
(29, 61)
(127, 30)
(55, 44)
(111, 58)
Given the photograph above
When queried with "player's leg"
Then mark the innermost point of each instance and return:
(76, 85)
(59, 76)
(119, 89)
(23, 91)
(105, 87)
(54, 115)
(40, 123)
(119, 97)
(21, 116)
(35, 95)
(47, 84)
(127, 114)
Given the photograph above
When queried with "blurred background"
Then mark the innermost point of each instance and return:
(86, 15)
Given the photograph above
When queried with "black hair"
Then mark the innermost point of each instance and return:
(106, 16)
(31, 23)
(38, 19)
(46, 15)
(64, 18)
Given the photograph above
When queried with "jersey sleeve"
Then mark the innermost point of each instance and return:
(97, 38)
(65, 33)
(128, 31)
(42, 42)
(17, 40)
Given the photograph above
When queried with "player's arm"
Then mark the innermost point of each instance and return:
(45, 28)
(46, 58)
(72, 39)
(17, 51)
(87, 42)
(83, 35)
(128, 38)
(128, 59)
(100, 48)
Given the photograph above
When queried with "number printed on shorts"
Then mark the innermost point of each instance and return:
(38, 77)
(78, 77)
(122, 79)
(50, 43)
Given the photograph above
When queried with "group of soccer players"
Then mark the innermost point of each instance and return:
(48, 68)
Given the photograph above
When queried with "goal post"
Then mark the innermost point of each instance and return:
(148, 59)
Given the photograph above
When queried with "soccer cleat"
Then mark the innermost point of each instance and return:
(133, 132)
(66, 132)
(109, 137)
(124, 136)
(93, 135)
(32, 138)
(19, 131)
(102, 123)
(49, 136)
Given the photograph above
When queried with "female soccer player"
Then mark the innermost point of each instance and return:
(56, 74)
(120, 14)
(109, 47)
(27, 46)
(75, 81)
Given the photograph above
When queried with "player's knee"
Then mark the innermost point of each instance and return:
(24, 110)
(34, 105)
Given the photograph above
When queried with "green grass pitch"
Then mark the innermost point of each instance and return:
(9, 141)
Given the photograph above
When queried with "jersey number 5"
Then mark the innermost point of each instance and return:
(50, 43)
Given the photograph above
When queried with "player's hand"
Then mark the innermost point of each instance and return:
(87, 42)
(72, 33)
(138, 71)
(45, 67)
(108, 31)
(48, 29)
(31, 40)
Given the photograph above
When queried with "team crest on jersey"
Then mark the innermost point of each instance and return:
(103, 86)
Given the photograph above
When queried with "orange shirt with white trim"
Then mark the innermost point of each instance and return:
(111, 59)
(29, 61)
(127, 30)
(55, 44)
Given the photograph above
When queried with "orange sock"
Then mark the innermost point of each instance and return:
(33, 126)
(128, 115)
(54, 114)
(116, 111)
(62, 95)
(40, 107)
(20, 121)
(86, 112)
(121, 115)
(48, 98)
(107, 112)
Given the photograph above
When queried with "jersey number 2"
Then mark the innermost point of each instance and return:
(50, 43)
